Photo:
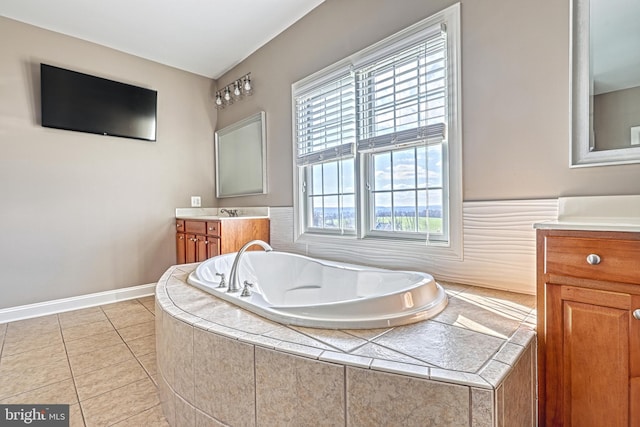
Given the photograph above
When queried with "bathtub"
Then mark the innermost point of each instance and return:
(298, 290)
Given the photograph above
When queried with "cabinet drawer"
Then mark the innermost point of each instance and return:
(180, 225)
(213, 228)
(619, 260)
(196, 227)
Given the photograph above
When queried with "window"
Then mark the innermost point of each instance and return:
(377, 140)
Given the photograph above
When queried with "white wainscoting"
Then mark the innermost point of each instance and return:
(499, 245)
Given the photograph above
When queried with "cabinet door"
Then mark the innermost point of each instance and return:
(180, 248)
(588, 357)
(201, 248)
(190, 248)
(634, 362)
(213, 247)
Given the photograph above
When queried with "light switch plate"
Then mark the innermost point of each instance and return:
(635, 135)
(196, 201)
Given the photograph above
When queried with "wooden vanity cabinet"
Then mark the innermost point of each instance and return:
(198, 240)
(588, 297)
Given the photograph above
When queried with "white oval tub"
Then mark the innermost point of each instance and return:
(298, 290)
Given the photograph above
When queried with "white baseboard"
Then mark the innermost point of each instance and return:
(28, 311)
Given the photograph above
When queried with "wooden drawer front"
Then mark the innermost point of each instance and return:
(213, 228)
(180, 226)
(195, 227)
(619, 259)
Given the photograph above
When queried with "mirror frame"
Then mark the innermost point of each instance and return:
(226, 141)
(583, 152)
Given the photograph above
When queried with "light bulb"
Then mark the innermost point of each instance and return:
(218, 99)
(227, 94)
(247, 84)
(236, 91)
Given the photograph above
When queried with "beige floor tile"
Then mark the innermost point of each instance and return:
(81, 317)
(75, 416)
(134, 317)
(85, 330)
(15, 381)
(149, 363)
(29, 359)
(120, 404)
(31, 341)
(137, 331)
(109, 378)
(30, 326)
(63, 392)
(122, 308)
(98, 359)
(93, 342)
(143, 346)
(149, 303)
(150, 418)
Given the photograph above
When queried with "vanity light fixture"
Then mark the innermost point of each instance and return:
(234, 91)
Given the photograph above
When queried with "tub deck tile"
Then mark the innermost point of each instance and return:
(346, 359)
(444, 346)
(401, 368)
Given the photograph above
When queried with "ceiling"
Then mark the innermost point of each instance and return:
(205, 37)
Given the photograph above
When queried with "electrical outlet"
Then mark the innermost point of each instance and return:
(196, 201)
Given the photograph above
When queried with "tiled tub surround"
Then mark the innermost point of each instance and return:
(472, 365)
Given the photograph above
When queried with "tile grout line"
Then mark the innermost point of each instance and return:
(129, 348)
(73, 377)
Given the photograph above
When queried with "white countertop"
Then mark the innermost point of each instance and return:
(596, 213)
(215, 214)
(218, 218)
(587, 225)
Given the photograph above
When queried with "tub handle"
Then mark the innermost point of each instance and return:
(223, 283)
(246, 292)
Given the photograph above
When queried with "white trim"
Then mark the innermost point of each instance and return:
(28, 311)
(452, 173)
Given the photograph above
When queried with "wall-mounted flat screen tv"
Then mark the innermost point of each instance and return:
(85, 103)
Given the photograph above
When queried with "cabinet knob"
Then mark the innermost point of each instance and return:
(593, 259)
(210, 228)
(636, 313)
(181, 237)
(178, 225)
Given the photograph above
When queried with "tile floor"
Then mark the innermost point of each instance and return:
(99, 360)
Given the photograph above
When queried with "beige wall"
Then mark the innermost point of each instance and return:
(515, 93)
(85, 213)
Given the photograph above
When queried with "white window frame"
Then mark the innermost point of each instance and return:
(452, 171)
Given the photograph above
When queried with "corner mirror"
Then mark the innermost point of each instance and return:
(605, 87)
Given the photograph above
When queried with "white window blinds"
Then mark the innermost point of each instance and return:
(326, 121)
(402, 98)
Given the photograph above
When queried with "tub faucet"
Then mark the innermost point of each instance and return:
(230, 212)
(234, 282)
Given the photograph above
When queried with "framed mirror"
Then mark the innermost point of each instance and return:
(240, 151)
(605, 87)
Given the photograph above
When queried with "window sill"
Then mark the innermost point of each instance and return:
(374, 244)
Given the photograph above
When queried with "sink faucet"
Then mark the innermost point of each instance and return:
(230, 212)
(234, 283)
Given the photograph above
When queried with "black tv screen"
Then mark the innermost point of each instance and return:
(84, 103)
